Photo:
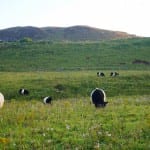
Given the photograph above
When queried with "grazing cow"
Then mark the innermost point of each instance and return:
(1, 100)
(23, 92)
(114, 74)
(98, 97)
(100, 74)
(47, 100)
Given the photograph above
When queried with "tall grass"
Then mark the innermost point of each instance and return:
(76, 124)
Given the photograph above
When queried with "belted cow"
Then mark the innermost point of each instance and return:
(100, 74)
(98, 97)
(47, 100)
(23, 92)
(1, 100)
(114, 74)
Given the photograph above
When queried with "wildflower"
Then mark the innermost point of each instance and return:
(49, 141)
(4, 140)
(85, 135)
(67, 127)
(97, 146)
(43, 134)
(108, 134)
(100, 133)
(67, 104)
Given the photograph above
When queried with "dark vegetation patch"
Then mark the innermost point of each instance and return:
(138, 61)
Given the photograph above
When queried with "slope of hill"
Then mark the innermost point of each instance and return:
(74, 33)
(18, 33)
(125, 54)
(85, 33)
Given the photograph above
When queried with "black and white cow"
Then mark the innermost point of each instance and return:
(1, 100)
(23, 92)
(98, 97)
(114, 74)
(100, 74)
(47, 100)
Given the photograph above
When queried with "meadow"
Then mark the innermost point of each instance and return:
(76, 124)
(53, 56)
(70, 84)
(67, 72)
(72, 122)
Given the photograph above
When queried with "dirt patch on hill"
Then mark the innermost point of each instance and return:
(138, 61)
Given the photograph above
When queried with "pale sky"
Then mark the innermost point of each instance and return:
(131, 16)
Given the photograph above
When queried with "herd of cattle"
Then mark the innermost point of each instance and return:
(98, 96)
(112, 74)
(23, 92)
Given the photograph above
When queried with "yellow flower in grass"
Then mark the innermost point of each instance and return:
(4, 140)
(67, 104)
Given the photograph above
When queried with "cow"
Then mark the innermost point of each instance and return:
(1, 100)
(100, 74)
(114, 74)
(98, 97)
(23, 92)
(47, 100)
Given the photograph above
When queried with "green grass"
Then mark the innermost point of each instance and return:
(72, 84)
(72, 122)
(51, 56)
(67, 72)
(76, 124)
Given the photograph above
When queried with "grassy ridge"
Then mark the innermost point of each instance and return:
(76, 124)
(49, 56)
(73, 84)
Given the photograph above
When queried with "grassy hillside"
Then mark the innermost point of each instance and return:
(68, 73)
(124, 54)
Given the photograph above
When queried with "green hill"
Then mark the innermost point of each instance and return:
(74, 33)
(125, 54)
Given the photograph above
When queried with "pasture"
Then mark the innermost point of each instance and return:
(125, 54)
(68, 73)
(72, 122)
(72, 84)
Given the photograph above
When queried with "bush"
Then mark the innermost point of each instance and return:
(26, 39)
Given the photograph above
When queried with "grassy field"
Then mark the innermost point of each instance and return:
(76, 124)
(72, 122)
(68, 73)
(51, 56)
(72, 84)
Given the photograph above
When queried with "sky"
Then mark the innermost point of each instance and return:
(131, 16)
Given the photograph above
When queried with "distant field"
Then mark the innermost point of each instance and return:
(73, 84)
(127, 54)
